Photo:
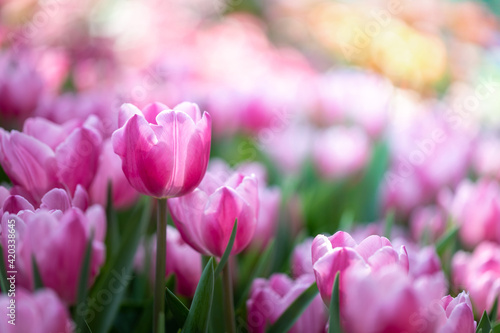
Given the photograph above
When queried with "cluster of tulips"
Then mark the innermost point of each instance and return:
(249, 166)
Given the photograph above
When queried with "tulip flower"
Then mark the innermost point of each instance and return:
(389, 300)
(428, 223)
(40, 312)
(205, 217)
(479, 273)
(270, 298)
(56, 235)
(164, 152)
(46, 155)
(338, 252)
(460, 318)
(476, 209)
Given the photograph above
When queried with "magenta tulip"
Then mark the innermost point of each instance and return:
(40, 312)
(479, 273)
(46, 155)
(56, 235)
(270, 298)
(389, 300)
(338, 252)
(476, 209)
(164, 151)
(460, 318)
(205, 217)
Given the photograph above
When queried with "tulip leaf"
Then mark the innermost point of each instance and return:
(445, 241)
(37, 278)
(144, 322)
(495, 328)
(178, 308)
(199, 313)
(484, 324)
(494, 310)
(3, 273)
(293, 312)
(112, 240)
(82, 291)
(115, 275)
(334, 325)
(227, 252)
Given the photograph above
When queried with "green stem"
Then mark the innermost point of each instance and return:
(228, 298)
(161, 253)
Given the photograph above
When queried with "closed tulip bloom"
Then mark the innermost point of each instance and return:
(205, 217)
(338, 252)
(479, 273)
(460, 318)
(389, 300)
(56, 235)
(47, 155)
(164, 151)
(40, 312)
(270, 298)
(476, 209)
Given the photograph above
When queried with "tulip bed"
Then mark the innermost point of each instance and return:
(250, 166)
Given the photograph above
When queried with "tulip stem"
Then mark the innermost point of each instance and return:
(161, 253)
(228, 298)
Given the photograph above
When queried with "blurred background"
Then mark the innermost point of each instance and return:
(355, 107)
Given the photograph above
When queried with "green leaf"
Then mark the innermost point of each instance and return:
(82, 291)
(112, 240)
(389, 222)
(3, 273)
(37, 278)
(199, 313)
(334, 326)
(496, 328)
(494, 310)
(177, 308)
(228, 250)
(145, 321)
(484, 323)
(115, 275)
(445, 241)
(290, 316)
(346, 220)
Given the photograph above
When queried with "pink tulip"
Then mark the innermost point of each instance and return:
(164, 152)
(269, 206)
(427, 223)
(40, 312)
(110, 171)
(389, 300)
(485, 160)
(460, 318)
(301, 259)
(479, 273)
(182, 261)
(476, 209)
(56, 235)
(47, 155)
(21, 86)
(205, 217)
(270, 298)
(338, 252)
(341, 151)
